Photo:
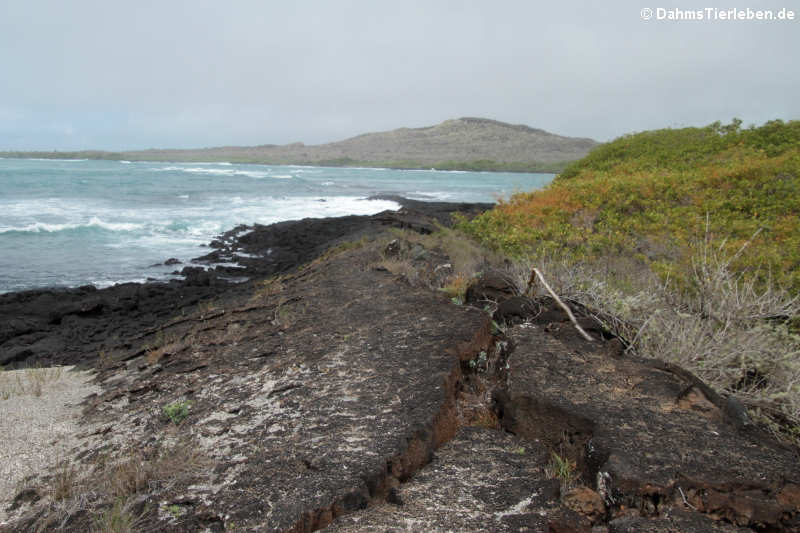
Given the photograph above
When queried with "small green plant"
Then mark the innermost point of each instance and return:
(480, 363)
(177, 412)
(561, 468)
(496, 329)
(175, 510)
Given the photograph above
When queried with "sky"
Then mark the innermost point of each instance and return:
(119, 74)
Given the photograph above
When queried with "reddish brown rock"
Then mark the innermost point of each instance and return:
(586, 502)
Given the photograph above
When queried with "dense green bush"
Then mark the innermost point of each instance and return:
(658, 195)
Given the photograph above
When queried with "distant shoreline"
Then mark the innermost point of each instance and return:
(480, 165)
(468, 143)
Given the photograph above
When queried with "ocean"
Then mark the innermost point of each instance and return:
(66, 223)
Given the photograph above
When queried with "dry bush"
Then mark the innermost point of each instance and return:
(445, 259)
(731, 331)
(138, 471)
(63, 483)
(466, 256)
(105, 489)
(400, 267)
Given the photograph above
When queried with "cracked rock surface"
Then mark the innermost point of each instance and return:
(338, 396)
(645, 438)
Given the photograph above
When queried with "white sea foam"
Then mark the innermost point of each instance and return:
(124, 162)
(105, 283)
(431, 195)
(94, 222)
(306, 171)
(258, 174)
(54, 159)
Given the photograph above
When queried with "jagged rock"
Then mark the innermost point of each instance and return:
(586, 502)
(196, 276)
(676, 520)
(491, 286)
(515, 310)
(395, 248)
(638, 441)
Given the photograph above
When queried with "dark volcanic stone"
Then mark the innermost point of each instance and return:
(515, 310)
(492, 286)
(319, 400)
(644, 436)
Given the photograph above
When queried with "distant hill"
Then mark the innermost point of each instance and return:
(464, 143)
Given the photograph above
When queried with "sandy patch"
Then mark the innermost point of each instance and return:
(39, 415)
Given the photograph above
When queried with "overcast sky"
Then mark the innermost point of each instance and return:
(115, 75)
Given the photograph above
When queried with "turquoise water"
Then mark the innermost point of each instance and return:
(69, 223)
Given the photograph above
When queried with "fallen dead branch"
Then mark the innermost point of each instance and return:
(536, 274)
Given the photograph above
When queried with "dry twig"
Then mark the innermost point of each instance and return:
(535, 272)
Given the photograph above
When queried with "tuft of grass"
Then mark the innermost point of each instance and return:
(114, 481)
(28, 381)
(116, 519)
(148, 471)
(561, 468)
(267, 288)
(456, 287)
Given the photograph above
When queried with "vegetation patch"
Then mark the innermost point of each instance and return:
(28, 381)
(654, 195)
(104, 496)
(177, 412)
(685, 244)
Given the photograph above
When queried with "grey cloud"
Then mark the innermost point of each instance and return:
(117, 75)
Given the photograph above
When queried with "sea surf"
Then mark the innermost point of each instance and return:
(66, 223)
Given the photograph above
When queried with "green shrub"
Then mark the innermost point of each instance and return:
(177, 412)
(653, 194)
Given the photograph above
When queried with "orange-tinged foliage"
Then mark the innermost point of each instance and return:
(650, 195)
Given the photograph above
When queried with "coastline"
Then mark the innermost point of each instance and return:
(344, 386)
(69, 326)
(520, 167)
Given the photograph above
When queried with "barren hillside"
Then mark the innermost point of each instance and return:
(464, 143)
